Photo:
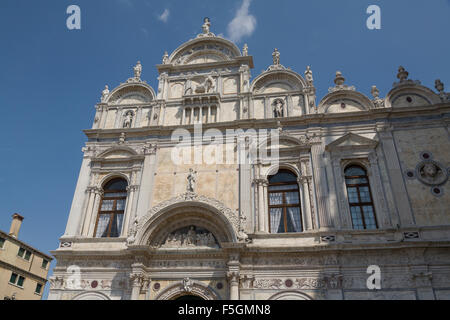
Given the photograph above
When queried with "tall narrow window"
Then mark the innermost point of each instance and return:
(360, 198)
(112, 209)
(284, 203)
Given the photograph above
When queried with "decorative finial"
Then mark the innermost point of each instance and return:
(245, 50)
(276, 57)
(105, 94)
(309, 75)
(122, 138)
(402, 74)
(165, 58)
(339, 80)
(137, 71)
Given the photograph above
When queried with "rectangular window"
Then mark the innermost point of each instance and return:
(21, 252)
(20, 281)
(25, 254)
(17, 280)
(2, 243)
(38, 288)
(44, 264)
(13, 278)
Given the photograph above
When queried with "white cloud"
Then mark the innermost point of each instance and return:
(164, 17)
(243, 23)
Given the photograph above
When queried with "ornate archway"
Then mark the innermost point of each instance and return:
(194, 289)
(184, 211)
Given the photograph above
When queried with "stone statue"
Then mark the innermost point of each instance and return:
(206, 26)
(440, 88)
(191, 181)
(309, 75)
(165, 58)
(138, 70)
(377, 101)
(188, 87)
(402, 74)
(276, 57)
(245, 50)
(105, 94)
(191, 237)
(278, 108)
(128, 121)
(187, 285)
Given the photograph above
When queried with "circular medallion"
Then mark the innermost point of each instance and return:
(94, 284)
(431, 173)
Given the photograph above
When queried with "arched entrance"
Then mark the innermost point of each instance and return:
(189, 297)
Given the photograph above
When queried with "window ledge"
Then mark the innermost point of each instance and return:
(15, 285)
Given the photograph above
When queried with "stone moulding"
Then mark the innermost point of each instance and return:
(138, 232)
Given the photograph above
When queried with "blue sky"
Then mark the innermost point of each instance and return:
(51, 77)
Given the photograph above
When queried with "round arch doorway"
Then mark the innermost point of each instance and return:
(189, 297)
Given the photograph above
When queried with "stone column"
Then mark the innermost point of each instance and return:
(93, 214)
(76, 212)
(91, 191)
(128, 209)
(325, 219)
(396, 179)
(233, 279)
(147, 177)
(136, 280)
(261, 205)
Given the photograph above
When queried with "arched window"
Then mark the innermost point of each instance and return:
(360, 198)
(284, 203)
(112, 209)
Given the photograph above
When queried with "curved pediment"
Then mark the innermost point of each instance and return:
(344, 101)
(410, 94)
(118, 153)
(133, 93)
(204, 50)
(278, 81)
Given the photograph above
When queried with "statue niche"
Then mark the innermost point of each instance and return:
(128, 120)
(278, 108)
(190, 237)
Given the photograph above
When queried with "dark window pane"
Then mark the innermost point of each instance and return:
(116, 185)
(365, 194)
(275, 199)
(2, 242)
(21, 252)
(283, 187)
(294, 220)
(44, 264)
(38, 288)
(115, 195)
(353, 195)
(292, 198)
(357, 181)
(13, 278)
(27, 255)
(102, 226)
(276, 215)
(357, 218)
(355, 171)
(20, 281)
(116, 227)
(283, 176)
(121, 205)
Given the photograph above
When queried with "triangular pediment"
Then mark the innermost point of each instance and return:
(351, 140)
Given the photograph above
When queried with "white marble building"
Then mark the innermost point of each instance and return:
(360, 181)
